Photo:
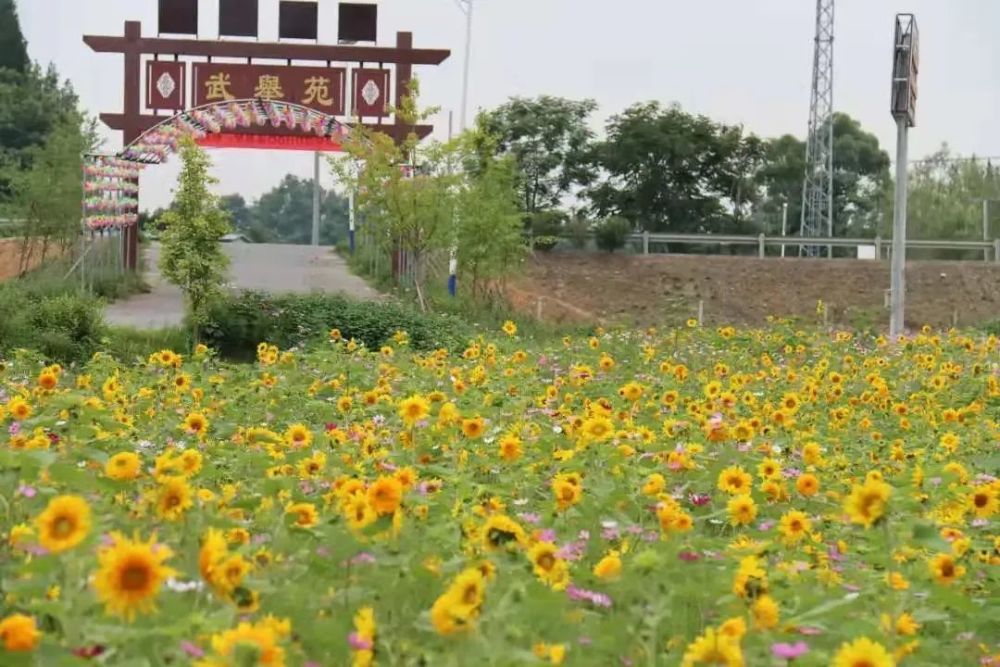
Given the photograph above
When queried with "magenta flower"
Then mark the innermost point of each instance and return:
(529, 517)
(192, 650)
(27, 491)
(363, 558)
(699, 499)
(547, 535)
(583, 595)
(359, 643)
(689, 556)
(789, 651)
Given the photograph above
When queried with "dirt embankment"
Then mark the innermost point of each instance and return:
(667, 289)
(10, 256)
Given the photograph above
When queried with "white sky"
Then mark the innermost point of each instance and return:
(739, 61)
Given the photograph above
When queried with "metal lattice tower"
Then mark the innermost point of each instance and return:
(817, 191)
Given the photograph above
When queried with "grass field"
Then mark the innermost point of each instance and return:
(681, 497)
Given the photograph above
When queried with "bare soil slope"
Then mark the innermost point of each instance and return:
(666, 289)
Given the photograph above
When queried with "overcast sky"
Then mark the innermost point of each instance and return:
(739, 61)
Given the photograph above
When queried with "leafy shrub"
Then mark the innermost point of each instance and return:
(545, 243)
(546, 223)
(127, 343)
(578, 230)
(63, 327)
(612, 233)
(236, 324)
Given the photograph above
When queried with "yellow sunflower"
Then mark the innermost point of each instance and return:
(735, 480)
(866, 502)
(173, 498)
(306, 515)
(794, 526)
(510, 448)
(862, 652)
(123, 466)
(712, 648)
(473, 428)
(64, 523)
(130, 573)
(298, 435)
(196, 423)
(18, 633)
(413, 409)
(501, 532)
(385, 495)
(945, 569)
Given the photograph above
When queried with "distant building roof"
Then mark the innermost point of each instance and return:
(235, 238)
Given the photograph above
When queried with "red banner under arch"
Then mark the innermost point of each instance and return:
(269, 142)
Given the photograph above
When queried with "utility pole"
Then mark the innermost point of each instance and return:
(904, 106)
(784, 226)
(898, 264)
(986, 228)
(316, 193)
(467, 7)
(468, 58)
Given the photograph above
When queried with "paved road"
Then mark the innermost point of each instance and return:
(259, 266)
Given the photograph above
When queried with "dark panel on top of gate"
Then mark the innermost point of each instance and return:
(358, 22)
(178, 17)
(238, 18)
(297, 19)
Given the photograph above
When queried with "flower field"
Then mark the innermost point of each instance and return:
(682, 497)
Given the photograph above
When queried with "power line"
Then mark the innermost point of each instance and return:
(972, 158)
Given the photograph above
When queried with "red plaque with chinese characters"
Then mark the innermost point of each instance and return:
(165, 85)
(371, 93)
(319, 88)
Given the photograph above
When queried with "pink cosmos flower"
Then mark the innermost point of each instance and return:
(789, 651)
(359, 643)
(192, 650)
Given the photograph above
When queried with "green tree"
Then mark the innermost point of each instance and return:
(781, 177)
(239, 213)
(946, 201)
(549, 139)
(46, 196)
(32, 103)
(667, 169)
(284, 214)
(860, 179)
(406, 190)
(490, 245)
(191, 256)
(13, 48)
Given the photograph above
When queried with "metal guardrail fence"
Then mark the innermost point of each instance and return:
(762, 241)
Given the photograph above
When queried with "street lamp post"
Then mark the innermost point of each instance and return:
(784, 226)
(467, 7)
(903, 107)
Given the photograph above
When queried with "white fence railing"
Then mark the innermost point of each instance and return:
(878, 244)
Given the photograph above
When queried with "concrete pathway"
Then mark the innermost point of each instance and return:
(260, 266)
